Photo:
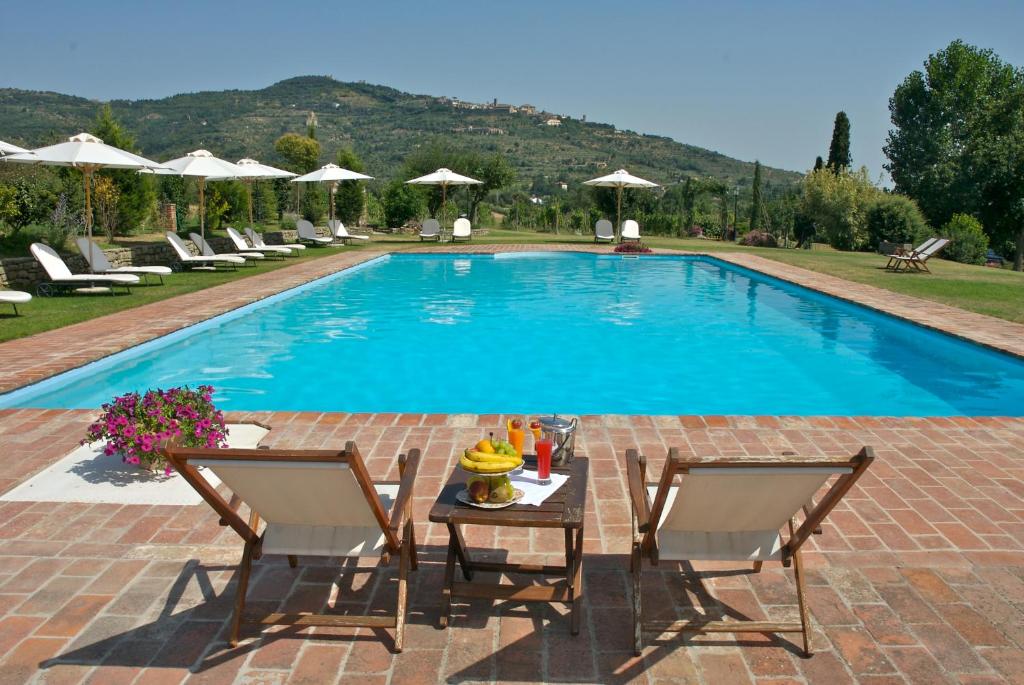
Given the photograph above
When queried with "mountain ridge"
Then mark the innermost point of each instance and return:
(382, 124)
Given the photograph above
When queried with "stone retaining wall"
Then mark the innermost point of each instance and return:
(24, 273)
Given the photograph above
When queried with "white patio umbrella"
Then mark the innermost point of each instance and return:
(202, 165)
(8, 149)
(620, 179)
(252, 171)
(88, 153)
(332, 174)
(444, 178)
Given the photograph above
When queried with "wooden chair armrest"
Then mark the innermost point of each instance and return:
(233, 505)
(638, 491)
(408, 465)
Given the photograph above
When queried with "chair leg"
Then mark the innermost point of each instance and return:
(293, 560)
(403, 576)
(638, 630)
(243, 584)
(757, 566)
(414, 562)
(805, 619)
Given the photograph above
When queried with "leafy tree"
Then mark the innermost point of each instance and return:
(839, 149)
(895, 218)
(136, 192)
(494, 171)
(402, 202)
(349, 199)
(756, 203)
(967, 241)
(300, 153)
(313, 203)
(837, 204)
(819, 163)
(29, 197)
(957, 143)
(264, 201)
(106, 198)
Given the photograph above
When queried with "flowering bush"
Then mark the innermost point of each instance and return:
(632, 247)
(135, 426)
(759, 239)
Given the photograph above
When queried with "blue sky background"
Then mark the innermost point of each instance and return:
(749, 79)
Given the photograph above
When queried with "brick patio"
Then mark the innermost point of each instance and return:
(918, 577)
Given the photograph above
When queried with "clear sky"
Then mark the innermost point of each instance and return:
(750, 79)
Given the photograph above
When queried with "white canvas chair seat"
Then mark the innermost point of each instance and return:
(99, 263)
(241, 246)
(603, 230)
(339, 231)
(462, 230)
(630, 230)
(308, 233)
(60, 274)
(708, 509)
(207, 251)
(431, 229)
(257, 241)
(314, 503)
(189, 259)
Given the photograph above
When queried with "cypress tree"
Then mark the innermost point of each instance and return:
(839, 150)
(755, 199)
(819, 163)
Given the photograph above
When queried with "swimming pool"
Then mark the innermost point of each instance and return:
(564, 332)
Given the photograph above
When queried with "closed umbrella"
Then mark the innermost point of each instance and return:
(202, 165)
(88, 153)
(444, 178)
(332, 174)
(252, 171)
(8, 149)
(619, 180)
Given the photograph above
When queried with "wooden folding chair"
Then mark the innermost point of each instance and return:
(314, 503)
(731, 509)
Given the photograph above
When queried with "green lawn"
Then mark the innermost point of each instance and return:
(996, 292)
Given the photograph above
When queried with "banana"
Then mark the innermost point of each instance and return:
(486, 457)
(488, 467)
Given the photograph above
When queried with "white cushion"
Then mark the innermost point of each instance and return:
(14, 296)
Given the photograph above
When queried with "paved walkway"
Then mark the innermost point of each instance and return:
(918, 577)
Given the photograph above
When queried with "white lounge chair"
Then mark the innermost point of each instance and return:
(731, 509)
(244, 249)
(431, 230)
(630, 230)
(14, 298)
(918, 260)
(317, 503)
(99, 263)
(603, 230)
(257, 241)
(916, 250)
(462, 229)
(61, 277)
(308, 234)
(207, 251)
(191, 261)
(341, 233)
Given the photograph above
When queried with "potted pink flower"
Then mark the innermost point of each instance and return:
(135, 426)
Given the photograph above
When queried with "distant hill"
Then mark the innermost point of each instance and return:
(381, 124)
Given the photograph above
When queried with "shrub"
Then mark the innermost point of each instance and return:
(632, 248)
(136, 426)
(895, 218)
(967, 240)
(758, 239)
(313, 204)
(61, 224)
(401, 203)
(836, 204)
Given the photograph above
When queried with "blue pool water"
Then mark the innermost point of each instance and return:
(570, 333)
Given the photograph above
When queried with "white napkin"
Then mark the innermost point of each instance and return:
(533, 492)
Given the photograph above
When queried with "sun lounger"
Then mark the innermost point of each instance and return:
(61, 277)
(207, 251)
(630, 230)
(431, 230)
(308, 234)
(191, 261)
(257, 241)
(603, 230)
(731, 509)
(99, 263)
(462, 230)
(244, 249)
(918, 260)
(316, 503)
(14, 298)
(917, 250)
(341, 233)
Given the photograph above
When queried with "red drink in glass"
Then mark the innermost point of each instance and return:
(543, 461)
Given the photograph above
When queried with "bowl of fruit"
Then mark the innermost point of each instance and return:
(492, 457)
(489, 492)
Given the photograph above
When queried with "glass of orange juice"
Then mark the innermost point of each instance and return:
(516, 435)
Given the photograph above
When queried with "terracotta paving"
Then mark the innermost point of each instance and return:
(918, 576)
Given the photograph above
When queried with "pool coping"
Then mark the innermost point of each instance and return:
(29, 360)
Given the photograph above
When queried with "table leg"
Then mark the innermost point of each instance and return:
(449, 578)
(461, 552)
(574, 575)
